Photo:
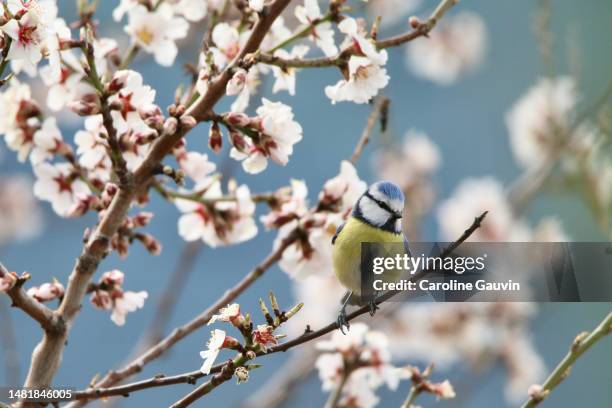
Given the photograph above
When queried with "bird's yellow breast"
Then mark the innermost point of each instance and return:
(346, 252)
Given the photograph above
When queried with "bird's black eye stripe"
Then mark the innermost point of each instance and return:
(383, 205)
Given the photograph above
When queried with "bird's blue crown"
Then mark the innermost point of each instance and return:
(390, 190)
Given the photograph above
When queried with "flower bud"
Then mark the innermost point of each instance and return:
(83, 108)
(215, 138)
(237, 119)
(118, 82)
(150, 243)
(414, 22)
(170, 126)
(237, 140)
(142, 219)
(242, 374)
(236, 83)
(47, 291)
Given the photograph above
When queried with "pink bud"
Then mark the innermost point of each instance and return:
(112, 278)
(238, 140)
(118, 82)
(188, 122)
(237, 119)
(414, 22)
(151, 244)
(170, 126)
(215, 138)
(47, 291)
(142, 219)
(83, 108)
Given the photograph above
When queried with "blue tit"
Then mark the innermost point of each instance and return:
(376, 217)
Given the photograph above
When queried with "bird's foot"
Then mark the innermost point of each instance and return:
(373, 306)
(342, 321)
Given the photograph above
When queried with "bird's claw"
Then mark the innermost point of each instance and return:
(342, 321)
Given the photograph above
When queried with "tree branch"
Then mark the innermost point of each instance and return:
(422, 30)
(381, 106)
(192, 376)
(32, 307)
(583, 342)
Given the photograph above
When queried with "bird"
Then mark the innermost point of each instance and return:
(376, 217)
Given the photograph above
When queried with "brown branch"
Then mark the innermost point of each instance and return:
(192, 376)
(47, 355)
(422, 30)
(32, 307)
(381, 106)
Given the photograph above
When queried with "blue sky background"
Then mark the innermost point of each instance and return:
(466, 120)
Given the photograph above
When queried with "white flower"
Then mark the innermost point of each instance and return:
(525, 366)
(192, 10)
(228, 42)
(444, 390)
(59, 185)
(454, 48)
(18, 118)
(214, 346)
(91, 146)
(539, 120)
(330, 367)
(221, 223)
(47, 141)
(472, 198)
(156, 31)
(278, 133)
(249, 88)
(29, 33)
(323, 34)
(356, 36)
(292, 207)
(342, 343)
(344, 189)
(236, 84)
(196, 166)
(285, 77)
(256, 5)
(20, 216)
(418, 157)
(226, 314)
(365, 79)
(126, 303)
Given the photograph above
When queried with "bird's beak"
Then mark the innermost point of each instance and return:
(397, 215)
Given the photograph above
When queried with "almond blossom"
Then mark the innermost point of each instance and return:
(47, 142)
(471, 198)
(196, 165)
(156, 31)
(231, 313)
(228, 42)
(19, 118)
(8, 281)
(456, 47)
(538, 122)
(365, 79)
(322, 34)
(278, 132)
(109, 295)
(29, 33)
(216, 342)
(91, 147)
(220, 222)
(285, 77)
(58, 184)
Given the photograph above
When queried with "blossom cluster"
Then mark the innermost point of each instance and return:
(108, 294)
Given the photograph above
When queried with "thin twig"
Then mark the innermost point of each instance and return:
(381, 105)
(583, 342)
(339, 60)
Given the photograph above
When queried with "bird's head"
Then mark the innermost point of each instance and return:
(381, 206)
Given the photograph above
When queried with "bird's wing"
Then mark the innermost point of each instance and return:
(407, 246)
(338, 230)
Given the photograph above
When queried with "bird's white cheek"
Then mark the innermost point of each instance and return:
(398, 225)
(372, 212)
